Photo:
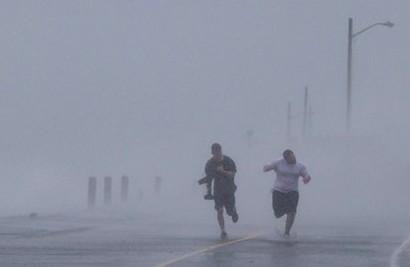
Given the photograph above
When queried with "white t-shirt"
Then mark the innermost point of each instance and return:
(287, 175)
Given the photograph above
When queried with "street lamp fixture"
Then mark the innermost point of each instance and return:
(387, 24)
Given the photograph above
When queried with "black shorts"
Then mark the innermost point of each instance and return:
(226, 200)
(284, 203)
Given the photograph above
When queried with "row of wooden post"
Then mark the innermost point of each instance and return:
(92, 190)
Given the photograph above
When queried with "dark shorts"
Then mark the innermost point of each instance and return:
(284, 203)
(226, 200)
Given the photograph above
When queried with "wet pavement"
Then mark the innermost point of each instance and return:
(130, 241)
(305, 251)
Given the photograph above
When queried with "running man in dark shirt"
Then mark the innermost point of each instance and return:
(221, 170)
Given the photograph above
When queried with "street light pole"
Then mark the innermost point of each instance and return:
(288, 125)
(305, 110)
(350, 36)
(349, 74)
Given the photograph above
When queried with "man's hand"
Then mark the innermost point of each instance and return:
(220, 169)
(306, 179)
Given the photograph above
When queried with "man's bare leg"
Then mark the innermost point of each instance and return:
(290, 218)
(221, 222)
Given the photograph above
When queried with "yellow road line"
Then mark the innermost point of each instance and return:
(213, 247)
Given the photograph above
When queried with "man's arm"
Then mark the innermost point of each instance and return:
(305, 175)
(209, 173)
(230, 171)
(230, 174)
(270, 167)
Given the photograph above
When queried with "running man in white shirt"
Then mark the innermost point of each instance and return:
(285, 195)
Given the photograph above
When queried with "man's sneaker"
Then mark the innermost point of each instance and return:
(287, 237)
(224, 235)
(235, 217)
(208, 196)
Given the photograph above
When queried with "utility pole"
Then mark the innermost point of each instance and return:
(349, 75)
(289, 118)
(305, 110)
(310, 119)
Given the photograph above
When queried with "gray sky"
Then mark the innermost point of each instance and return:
(93, 87)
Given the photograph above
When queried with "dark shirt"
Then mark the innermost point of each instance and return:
(222, 183)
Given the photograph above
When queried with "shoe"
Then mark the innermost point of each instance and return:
(209, 196)
(286, 237)
(224, 235)
(235, 217)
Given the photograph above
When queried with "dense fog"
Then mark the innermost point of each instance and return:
(143, 88)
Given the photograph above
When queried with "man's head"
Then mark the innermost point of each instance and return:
(216, 151)
(289, 156)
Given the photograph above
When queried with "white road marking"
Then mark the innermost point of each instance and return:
(200, 251)
(394, 260)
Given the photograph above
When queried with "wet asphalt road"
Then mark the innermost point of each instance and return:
(126, 241)
(306, 251)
